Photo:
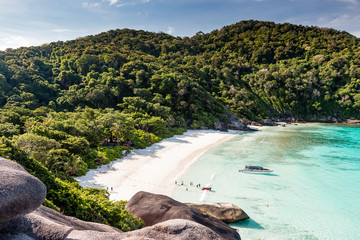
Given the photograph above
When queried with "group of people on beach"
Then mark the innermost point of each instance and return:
(191, 184)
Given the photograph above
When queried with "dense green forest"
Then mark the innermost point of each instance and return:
(69, 106)
(253, 69)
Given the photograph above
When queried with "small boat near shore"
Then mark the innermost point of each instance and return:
(206, 188)
(256, 169)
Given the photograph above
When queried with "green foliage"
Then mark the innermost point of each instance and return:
(70, 198)
(50, 204)
(69, 106)
(143, 139)
(111, 154)
(254, 69)
(8, 129)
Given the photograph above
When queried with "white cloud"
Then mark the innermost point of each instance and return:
(60, 30)
(90, 5)
(14, 41)
(170, 30)
(356, 33)
(349, 1)
(341, 21)
(123, 3)
(112, 2)
(346, 22)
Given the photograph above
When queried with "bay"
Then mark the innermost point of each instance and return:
(313, 193)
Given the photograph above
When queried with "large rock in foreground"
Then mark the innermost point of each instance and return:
(20, 192)
(226, 212)
(178, 229)
(154, 208)
(45, 223)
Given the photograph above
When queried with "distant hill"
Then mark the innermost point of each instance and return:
(254, 69)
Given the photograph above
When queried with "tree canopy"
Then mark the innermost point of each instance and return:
(69, 106)
(254, 69)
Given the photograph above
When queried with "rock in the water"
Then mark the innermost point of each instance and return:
(20, 192)
(226, 212)
(154, 208)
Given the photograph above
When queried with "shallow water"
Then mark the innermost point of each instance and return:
(313, 193)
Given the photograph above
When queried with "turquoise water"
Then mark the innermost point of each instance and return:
(314, 192)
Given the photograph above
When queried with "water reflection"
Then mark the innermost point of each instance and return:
(248, 223)
(266, 174)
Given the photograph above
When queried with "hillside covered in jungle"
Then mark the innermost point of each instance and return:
(63, 104)
(253, 69)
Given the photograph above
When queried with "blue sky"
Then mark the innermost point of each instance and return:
(35, 22)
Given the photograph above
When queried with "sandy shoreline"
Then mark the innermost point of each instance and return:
(155, 168)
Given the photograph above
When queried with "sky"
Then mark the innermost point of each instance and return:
(37, 22)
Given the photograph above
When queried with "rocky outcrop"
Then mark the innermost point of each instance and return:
(173, 229)
(353, 121)
(232, 122)
(218, 125)
(74, 223)
(46, 223)
(155, 208)
(21, 213)
(35, 227)
(226, 212)
(20, 192)
(269, 122)
(235, 123)
(254, 123)
(177, 229)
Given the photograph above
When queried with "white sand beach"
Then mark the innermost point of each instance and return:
(156, 168)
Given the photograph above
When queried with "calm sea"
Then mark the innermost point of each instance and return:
(313, 193)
